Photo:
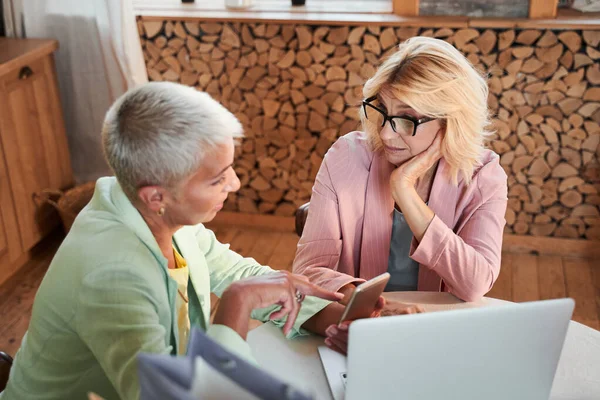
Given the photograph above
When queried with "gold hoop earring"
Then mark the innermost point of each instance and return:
(161, 212)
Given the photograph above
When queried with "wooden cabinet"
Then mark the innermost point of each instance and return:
(10, 244)
(33, 147)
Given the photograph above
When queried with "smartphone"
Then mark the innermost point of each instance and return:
(364, 298)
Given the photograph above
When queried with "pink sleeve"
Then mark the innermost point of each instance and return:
(318, 252)
(468, 263)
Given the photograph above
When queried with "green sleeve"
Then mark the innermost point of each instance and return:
(227, 266)
(231, 341)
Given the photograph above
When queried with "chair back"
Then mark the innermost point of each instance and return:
(6, 362)
(301, 215)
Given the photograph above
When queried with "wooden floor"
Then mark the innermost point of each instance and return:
(523, 277)
(17, 294)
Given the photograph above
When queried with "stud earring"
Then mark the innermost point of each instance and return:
(161, 212)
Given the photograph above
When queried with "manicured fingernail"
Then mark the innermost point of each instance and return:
(328, 342)
(333, 330)
(343, 327)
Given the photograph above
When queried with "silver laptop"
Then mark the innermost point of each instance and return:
(504, 352)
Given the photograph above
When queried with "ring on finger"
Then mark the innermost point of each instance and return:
(299, 296)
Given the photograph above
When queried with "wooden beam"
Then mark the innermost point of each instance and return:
(256, 221)
(538, 245)
(406, 8)
(551, 246)
(542, 8)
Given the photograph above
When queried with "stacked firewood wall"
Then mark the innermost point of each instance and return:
(296, 89)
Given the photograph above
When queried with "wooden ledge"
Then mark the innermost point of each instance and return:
(175, 10)
(512, 243)
(255, 221)
(306, 18)
(554, 246)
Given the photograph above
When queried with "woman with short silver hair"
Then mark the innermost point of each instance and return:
(137, 268)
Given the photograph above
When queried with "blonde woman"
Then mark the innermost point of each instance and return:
(415, 193)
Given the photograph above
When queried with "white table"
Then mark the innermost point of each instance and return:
(297, 361)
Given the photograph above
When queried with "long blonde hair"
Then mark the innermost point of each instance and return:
(436, 80)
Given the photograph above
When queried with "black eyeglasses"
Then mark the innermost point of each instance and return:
(405, 125)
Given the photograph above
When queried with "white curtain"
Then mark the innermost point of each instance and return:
(12, 13)
(99, 58)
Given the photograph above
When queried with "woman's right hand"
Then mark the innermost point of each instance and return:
(337, 335)
(279, 288)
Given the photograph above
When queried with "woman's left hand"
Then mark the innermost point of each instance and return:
(397, 308)
(409, 173)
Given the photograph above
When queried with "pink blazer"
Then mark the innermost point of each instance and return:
(348, 231)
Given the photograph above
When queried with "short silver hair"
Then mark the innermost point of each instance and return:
(159, 133)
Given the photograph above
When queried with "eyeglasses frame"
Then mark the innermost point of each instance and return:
(416, 121)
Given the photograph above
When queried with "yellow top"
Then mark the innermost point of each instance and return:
(181, 275)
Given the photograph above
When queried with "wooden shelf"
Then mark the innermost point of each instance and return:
(262, 6)
(175, 10)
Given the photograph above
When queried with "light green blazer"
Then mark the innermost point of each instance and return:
(107, 296)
